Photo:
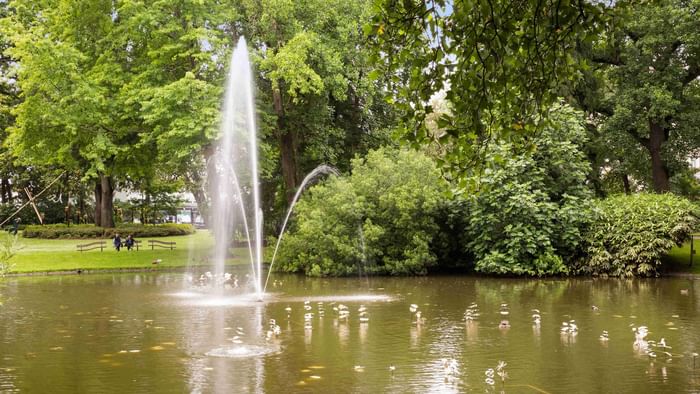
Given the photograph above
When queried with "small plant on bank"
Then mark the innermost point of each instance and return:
(8, 249)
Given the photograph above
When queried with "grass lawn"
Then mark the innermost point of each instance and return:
(678, 259)
(49, 255)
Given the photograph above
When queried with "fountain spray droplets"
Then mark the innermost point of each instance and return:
(233, 174)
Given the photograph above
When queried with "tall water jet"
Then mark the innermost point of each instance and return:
(233, 171)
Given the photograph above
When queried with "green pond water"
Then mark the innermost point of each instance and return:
(149, 333)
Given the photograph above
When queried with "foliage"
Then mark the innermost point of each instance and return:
(501, 63)
(316, 101)
(8, 249)
(644, 91)
(533, 206)
(633, 232)
(89, 231)
(450, 241)
(112, 89)
(378, 220)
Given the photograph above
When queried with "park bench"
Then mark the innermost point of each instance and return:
(161, 244)
(92, 245)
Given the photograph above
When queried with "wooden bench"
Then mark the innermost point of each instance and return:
(161, 244)
(92, 245)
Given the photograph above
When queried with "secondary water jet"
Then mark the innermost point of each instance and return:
(320, 170)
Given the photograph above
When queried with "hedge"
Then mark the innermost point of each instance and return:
(54, 231)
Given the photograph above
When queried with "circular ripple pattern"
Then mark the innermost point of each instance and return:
(243, 351)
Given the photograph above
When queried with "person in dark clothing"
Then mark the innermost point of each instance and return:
(129, 242)
(117, 242)
(15, 226)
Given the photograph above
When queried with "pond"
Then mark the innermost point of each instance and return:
(148, 332)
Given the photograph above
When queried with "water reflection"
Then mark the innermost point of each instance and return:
(143, 333)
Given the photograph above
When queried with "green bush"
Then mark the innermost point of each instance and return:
(378, 220)
(633, 232)
(62, 231)
(532, 208)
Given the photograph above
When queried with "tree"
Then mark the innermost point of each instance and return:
(501, 64)
(533, 206)
(115, 88)
(645, 89)
(319, 104)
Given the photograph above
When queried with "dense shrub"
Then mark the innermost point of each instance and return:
(378, 220)
(633, 232)
(531, 210)
(90, 231)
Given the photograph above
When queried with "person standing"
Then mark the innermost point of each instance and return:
(129, 242)
(15, 226)
(117, 242)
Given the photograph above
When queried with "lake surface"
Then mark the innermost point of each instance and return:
(143, 333)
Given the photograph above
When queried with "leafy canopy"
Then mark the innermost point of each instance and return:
(501, 63)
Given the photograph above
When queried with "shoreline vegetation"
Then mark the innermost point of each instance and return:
(60, 257)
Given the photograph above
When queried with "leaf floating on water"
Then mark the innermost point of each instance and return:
(122, 351)
(134, 351)
(314, 377)
(673, 328)
(56, 348)
(676, 316)
(359, 368)
(157, 347)
(305, 370)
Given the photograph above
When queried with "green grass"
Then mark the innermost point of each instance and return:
(50, 255)
(678, 259)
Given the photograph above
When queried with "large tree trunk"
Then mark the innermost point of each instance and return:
(288, 155)
(626, 184)
(194, 182)
(107, 206)
(98, 203)
(659, 172)
(4, 191)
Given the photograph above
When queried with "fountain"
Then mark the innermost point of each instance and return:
(233, 172)
(233, 175)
